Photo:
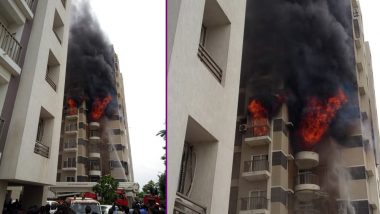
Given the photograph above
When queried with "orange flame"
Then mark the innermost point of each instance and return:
(98, 107)
(72, 107)
(315, 122)
(259, 118)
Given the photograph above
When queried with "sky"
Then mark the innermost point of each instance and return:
(137, 31)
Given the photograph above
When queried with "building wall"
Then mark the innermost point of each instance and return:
(34, 94)
(201, 110)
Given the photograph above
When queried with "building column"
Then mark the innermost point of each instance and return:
(3, 193)
(34, 195)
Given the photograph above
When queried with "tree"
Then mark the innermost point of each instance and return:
(149, 187)
(162, 185)
(162, 177)
(162, 133)
(106, 189)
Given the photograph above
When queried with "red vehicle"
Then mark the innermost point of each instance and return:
(151, 200)
(121, 199)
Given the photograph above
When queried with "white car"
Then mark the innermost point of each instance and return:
(79, 205)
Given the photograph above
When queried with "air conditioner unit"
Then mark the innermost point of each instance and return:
(243, 128)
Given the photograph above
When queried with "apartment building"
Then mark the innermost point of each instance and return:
(33, 49)
(93, 146)
(339, 175)
(204, 57)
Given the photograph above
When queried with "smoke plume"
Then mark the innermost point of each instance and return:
(301, 50)
(90, 65)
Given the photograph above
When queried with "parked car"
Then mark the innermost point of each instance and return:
(79, 204)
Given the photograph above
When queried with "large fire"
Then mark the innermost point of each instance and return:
(318, 117)
(71, 107)
(259, 118)
(98, 107)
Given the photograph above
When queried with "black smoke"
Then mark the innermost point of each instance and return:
(90, 62)
(300, 49)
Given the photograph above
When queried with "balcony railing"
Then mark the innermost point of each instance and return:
(256, 165)
(306, 209)
(41, 149)
(254, 203)
(71, 164)
(9, 44)
(307, 178)
(205, 57)
(50, 81)
(94, 133)
(30, 3)
(73, 127)
(184, 205)
(256, 128)
(95, 167)
(70, 145)
(355, 12)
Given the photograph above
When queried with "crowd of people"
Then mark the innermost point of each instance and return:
(138, 207)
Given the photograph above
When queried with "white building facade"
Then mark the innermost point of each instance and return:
(205, 41)
(34, 39)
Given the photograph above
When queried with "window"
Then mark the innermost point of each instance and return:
(40, 131)
(70, 143)
(117, 131)
(70, 179)
(71, 126)
(58, 27)
(52, 71)
(257, 199)
(115, 164)
(69, 163)
(214, 39)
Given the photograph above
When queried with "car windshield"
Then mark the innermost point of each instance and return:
(81, 207)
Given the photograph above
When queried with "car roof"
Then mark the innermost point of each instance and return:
(80, 200)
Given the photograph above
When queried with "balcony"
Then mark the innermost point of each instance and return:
(255, 170)
(94, 125)
(355, 12)
(307, 187)
(71, 113)
(362, 89)
(41, 149)
(207, 60)
(50, 81)
(254, 205)
(257, 133)
(307, 159)
(69, 166)
(184, 205)
(94, 136)
(71, 129)
(94, 155)
(306, 208)
(95, 173)
(10, 51)
(70, 147)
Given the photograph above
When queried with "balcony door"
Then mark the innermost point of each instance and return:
(257, 199)
(258, 162)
